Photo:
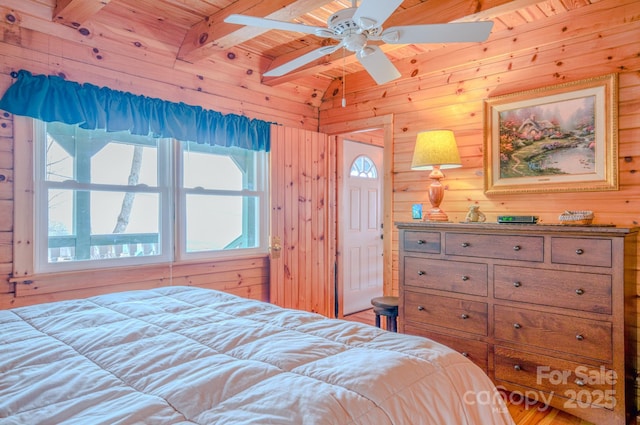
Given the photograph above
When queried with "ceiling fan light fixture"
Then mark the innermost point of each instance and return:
(365, 51)
(391, 36)
(355, 42)
(367, 23)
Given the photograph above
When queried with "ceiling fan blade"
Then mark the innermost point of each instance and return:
(377, 64)
(438, 33)
(271, 24)
(373, 13)
(301, 60)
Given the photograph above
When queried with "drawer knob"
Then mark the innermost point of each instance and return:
(464, 316)
(580, 383)
(580, 337)
(579, 291)
(465, 244)
(464, 353)
(421, 273)
(465, 278)
(517, 367)
(516, 248)
(421, 242)
(579, 251)
(420, 308)
(517, 326)
(517, 284)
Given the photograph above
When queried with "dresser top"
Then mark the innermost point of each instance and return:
(610, 230)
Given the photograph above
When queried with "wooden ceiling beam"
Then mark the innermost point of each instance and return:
(422, 13)
(73, 13)
(213, 32)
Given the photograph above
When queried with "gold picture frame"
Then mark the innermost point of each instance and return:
(561, 138)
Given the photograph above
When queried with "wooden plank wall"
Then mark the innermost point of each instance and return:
(247, 277)
(228, 89)
(447, 90)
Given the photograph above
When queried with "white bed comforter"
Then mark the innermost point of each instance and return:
(184, 355)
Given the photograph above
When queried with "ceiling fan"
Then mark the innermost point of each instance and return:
(354, 27)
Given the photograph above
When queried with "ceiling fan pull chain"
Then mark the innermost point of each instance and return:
(344, 100)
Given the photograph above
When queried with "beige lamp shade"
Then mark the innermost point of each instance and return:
(435, 147)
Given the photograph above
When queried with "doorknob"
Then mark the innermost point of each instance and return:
(275, 247)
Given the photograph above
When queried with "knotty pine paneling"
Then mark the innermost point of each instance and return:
(247, 277)
(222, 82)
(203, 84)
(302, 273)
(447, 89)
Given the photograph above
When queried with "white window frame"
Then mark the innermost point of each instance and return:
(30, 223)
(261, 192)
(41, 228)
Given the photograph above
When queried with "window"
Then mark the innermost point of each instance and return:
(222, 199)
(364, 167)
(112, 198)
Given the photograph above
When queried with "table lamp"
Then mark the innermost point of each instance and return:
(435, 150)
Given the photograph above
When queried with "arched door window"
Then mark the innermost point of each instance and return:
(363, 166)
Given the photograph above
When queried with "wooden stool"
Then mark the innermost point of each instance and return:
(386, 306)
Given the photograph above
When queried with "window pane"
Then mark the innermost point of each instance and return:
(125, 164)
(216, 168)
(221, 222)
(96, 156)
(92, 225)
(59, 162)
(363, 166)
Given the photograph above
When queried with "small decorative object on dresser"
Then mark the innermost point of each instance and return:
(547, 311)
(576, 217)
(475, 215)
(416, 211)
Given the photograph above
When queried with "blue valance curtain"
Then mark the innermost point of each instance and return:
(50, 98)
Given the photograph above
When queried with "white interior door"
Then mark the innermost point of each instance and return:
(360, 266)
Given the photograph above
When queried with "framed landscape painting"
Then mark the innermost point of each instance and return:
(556, 139)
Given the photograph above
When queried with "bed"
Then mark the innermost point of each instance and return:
(188, 355)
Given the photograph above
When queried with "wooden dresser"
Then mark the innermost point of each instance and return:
(547, 311)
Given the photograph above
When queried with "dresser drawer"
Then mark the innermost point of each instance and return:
(453, 313)
(453, 276)
(581, 251)
(506, 247)
(577, 291)
(428, 242)
(567, 334)
(580, 384)
(476, 351)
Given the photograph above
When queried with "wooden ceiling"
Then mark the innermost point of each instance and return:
(193, 31)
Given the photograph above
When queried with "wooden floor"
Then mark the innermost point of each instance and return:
(522, 411)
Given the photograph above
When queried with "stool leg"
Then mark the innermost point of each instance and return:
(377, 320)
(394, 324)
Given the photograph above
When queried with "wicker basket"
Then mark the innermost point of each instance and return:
(576, 217)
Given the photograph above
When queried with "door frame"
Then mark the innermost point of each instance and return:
(336, 131)
(360, 146)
